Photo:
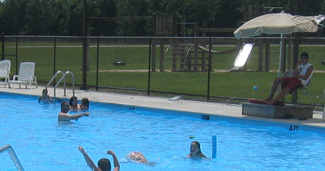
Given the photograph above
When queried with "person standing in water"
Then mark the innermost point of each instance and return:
(195, 151)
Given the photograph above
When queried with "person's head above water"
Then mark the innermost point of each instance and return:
(84, 103)
(44, 92)
(195, 147)
(65, 107)
(104, 164)
(195, 150)
(73, 101)
(137, 157)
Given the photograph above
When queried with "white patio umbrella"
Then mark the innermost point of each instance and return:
(276, 23)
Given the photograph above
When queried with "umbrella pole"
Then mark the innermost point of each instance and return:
(281, 56)
(280, 62)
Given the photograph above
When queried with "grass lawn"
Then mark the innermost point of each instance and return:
(222, 84)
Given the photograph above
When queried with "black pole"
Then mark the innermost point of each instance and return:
(85, 46)
(149, 66)
(16, 55)
(210, 67)
(3, 46)
(97, 69)
(54, 60)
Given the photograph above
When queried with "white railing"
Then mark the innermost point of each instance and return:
(13, 156)
(63, 77)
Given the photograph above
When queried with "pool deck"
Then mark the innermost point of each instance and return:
(200, 107)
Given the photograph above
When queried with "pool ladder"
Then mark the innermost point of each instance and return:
(63, 77)
(13, 156)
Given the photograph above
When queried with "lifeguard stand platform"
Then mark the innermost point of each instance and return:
(300, 112)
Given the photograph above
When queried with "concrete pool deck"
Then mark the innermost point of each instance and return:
(201, 107)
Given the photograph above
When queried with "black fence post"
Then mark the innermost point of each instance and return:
(209, 70)
(85, 45)
(97, 65)
(16, 55)
(54, 60)
(3, 46)
(149, 66)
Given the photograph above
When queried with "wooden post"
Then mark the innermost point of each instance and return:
(204, 25)
(260, 55)
(153, 54)
(189, 61)
(196, 29)
(174, 60)
(162, 56)
(195, 55)
(203, 61)
(183, 27)
(267, 55)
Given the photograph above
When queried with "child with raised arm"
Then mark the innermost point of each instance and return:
(103, 164)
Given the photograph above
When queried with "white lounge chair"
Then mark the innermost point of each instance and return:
(26, 75)
(5, 71)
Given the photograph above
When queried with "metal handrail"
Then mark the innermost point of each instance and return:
(64, 84)
(52, 79)
(13, 156)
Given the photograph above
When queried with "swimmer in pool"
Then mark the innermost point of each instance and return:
(103, 164)
(195, 150)
(136, 157)
(84, 104)
(45, 98)
(64, 116)
(74, 103)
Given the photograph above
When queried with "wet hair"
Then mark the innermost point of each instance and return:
(197, 144)
(64, 107)
(304, 55)
(104, 164)
(85, 102)
(72, 99)
(44, 91)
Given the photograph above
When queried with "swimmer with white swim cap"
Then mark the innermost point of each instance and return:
(137, 157)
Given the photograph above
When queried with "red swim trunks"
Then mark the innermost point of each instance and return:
(293, 83)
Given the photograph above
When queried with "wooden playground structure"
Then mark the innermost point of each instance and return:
(184, 55)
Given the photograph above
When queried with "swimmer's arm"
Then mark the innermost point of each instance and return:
(89, 162)
(116, 163)
(51, 99)
(202, 155)
(68, 117)
(77, 116)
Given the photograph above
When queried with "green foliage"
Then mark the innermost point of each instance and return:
(64, 17)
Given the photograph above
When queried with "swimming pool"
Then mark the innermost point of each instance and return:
(163, 136)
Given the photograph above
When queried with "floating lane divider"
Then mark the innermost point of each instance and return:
(214, 147)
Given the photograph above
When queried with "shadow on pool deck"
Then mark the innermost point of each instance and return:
(200, 107)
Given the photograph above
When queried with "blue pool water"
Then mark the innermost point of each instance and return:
(162, 136)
